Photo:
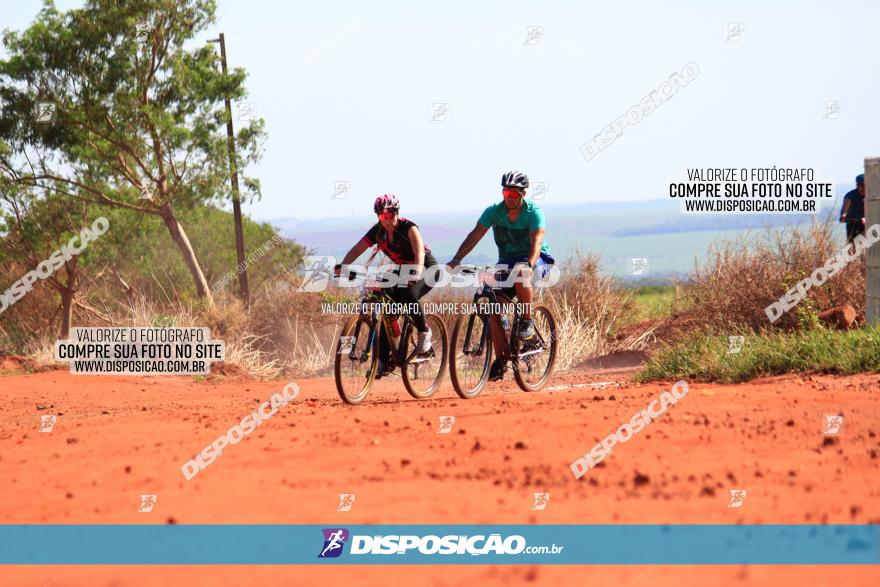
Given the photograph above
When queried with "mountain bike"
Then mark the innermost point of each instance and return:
(357, 351)
(472, 338)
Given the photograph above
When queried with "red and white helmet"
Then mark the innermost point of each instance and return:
(386, 202)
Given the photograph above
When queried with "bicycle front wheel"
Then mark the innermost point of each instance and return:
(356, 360)
(536, 357)
(423, 374)
(471, 349)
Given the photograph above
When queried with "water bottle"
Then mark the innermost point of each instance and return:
(505, 323)
(395, 327)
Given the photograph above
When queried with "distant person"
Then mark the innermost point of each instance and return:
(853, 210)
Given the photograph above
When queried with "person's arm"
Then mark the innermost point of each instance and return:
(355, 252)
(845, 209)
(536, 235)
(536, 239)
(468, 245)
(418, 248)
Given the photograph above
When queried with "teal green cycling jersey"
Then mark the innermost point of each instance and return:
(512, 238)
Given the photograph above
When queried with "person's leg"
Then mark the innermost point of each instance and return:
(522, 277)
(421, 288)
(385, 365)
(523, 287)
(410, 296)
(851, 230)
(860, 228)
(525, 292)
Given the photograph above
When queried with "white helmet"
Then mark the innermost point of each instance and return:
(515, 179)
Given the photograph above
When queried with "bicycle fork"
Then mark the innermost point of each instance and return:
(365, 354)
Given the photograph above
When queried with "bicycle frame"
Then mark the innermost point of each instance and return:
(508, 351)
(383, 320)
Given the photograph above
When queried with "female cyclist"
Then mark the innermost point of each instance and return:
(401, 241)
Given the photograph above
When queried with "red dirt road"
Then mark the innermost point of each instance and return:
(116, 438)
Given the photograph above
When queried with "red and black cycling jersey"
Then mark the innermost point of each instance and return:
(400, 249)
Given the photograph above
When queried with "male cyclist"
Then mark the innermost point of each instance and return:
(518, 227)
(401, 241)
(853, 210)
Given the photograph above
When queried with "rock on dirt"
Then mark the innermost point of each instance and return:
(842, 317)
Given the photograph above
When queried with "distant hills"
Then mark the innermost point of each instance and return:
(617, 231)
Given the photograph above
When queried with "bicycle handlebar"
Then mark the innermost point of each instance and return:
(470, 269)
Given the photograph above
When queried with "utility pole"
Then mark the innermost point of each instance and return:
(244, 290)
(872, 255)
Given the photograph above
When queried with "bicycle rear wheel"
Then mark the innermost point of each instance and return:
(471, 355)
(535, 358)
(356, 360)
(423, 374)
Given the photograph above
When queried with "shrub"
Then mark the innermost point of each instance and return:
(742, 277)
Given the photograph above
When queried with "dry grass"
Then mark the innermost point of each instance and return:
(284, 331)
(41, 349)
(294, 331)
(244, 352)
(589, 308)
(741, 278)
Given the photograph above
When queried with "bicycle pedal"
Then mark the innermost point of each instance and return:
(386, 373)
(427, 355)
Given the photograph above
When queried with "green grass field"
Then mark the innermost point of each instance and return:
(706, 358)
(651, 302)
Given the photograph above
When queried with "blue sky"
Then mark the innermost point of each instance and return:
(347, 89)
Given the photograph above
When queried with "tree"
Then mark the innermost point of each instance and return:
(146, 259)
(42, 232)
(106, 104)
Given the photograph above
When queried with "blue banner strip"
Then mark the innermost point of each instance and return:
(456, 544)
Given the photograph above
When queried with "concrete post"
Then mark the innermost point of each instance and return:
(872, 217)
